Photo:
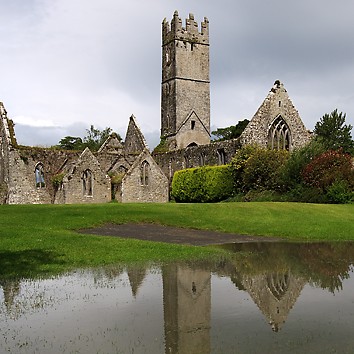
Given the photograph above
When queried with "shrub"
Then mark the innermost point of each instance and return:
(262, 170)
(327, 168)
(202, 184)
(238, 164)
(340, 193)
(291, 173)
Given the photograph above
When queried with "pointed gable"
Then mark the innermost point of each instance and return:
(112, 145)
(145, 181)
(85, 182)
(135, 142)
(276, 120)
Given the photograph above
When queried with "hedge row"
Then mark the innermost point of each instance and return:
(202, 185)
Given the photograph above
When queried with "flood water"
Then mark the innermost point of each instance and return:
(272, 298)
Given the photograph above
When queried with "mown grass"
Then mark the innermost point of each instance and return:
(40, 239)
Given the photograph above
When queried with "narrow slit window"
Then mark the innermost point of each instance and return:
(87, 183)
(144, 176)
(192, 124)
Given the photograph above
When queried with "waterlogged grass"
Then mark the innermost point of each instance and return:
(41, 239)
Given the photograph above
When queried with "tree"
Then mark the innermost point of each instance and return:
(71, 143)
(93, 140)
(95, 137)
(232, 132)
(333, 133)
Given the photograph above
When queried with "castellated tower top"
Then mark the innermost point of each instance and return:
(188, 33)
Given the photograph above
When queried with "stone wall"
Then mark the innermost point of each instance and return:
(145, 182)
(276, 105)
(23, 186)
(216, 153)
(84, 182)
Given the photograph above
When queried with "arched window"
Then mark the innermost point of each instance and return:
(87, 183)
(202, 159)
(39, 174)
(144, 173)
(279, 135)
(221, 156)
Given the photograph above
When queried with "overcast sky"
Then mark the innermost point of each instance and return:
(67, 64)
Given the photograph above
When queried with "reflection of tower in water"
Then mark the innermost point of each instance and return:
(275, 294)
(187, 306)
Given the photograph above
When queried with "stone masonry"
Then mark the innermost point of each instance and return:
(127, 171)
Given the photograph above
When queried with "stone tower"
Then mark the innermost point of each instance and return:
(185, 91)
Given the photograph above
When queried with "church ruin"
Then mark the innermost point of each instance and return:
(129, 172)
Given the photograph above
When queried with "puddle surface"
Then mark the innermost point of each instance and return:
(273, 298)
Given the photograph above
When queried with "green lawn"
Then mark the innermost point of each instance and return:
(41, 239)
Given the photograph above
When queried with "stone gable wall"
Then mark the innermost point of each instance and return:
(72, 189)
(134, 190)
(276, 104)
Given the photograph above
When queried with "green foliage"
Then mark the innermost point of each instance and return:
(291, 173)
(238, 164)
(162, 147)
(93, 140)
(232, 132)
(340, 192)
(71, 143)
(263, 170)
(95, 137)
(57, 180)
(333, 133)
(202, 185)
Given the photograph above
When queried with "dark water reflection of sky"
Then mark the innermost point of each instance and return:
(272, 298)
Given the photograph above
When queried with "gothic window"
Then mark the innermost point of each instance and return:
(39, 174)
(144, 173)
(221, 156)
(279, 135)
(87, 183)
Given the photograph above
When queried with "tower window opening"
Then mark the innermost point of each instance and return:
(192, 124)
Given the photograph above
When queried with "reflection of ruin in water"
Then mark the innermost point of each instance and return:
(187, 307)
(273, 275)
(274, 294)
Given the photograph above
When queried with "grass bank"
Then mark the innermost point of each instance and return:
(36, 239)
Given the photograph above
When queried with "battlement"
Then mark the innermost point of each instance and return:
(189, 33)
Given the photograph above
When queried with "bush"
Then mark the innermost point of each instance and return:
(327, 168)
(202, 185)
(291, 174)
(238, 164)
(340, 193)
(263, 168)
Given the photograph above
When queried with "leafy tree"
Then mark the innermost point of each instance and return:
(71, 143)
(232, 132)
(333, 133)
(95, 137)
